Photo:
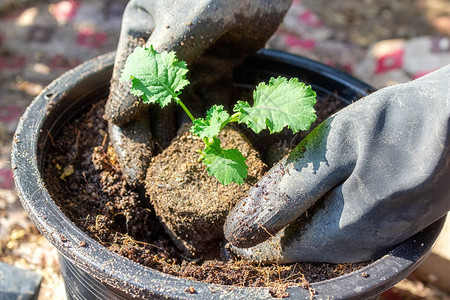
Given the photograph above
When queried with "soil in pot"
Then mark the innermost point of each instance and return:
(84, 178)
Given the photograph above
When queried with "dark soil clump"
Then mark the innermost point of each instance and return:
(191, 204)
(84, 178)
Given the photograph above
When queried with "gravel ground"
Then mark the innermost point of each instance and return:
(380, 41)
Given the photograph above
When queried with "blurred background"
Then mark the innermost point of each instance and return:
(382, 42)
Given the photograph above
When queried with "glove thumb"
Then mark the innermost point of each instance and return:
(320, 162)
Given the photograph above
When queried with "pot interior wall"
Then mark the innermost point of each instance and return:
(64, 107)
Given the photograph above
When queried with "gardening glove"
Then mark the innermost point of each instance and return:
(212, 36)
(363, 181)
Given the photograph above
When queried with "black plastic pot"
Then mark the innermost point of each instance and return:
(92, 272)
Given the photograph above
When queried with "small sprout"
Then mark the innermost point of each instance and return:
(66, 172)
(160, 77)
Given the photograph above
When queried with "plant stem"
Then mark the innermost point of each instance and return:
(233, 118)
(186, 110)
(207, 141)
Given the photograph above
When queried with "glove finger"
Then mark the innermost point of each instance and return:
(267, 252)
(133, 146)
(127, 115)
(317, 236)
(137, 26)
(323, 160)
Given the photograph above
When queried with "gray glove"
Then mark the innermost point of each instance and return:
(212, 36)
(363, 181)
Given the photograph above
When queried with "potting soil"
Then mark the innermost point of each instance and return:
(84, 178)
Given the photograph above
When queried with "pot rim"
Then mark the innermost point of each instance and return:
(122, 273)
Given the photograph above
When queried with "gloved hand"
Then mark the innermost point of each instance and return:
(363, 181)
(212, 36)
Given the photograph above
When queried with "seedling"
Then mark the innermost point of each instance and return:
(160, 77)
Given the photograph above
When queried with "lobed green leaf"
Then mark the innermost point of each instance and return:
(227, 165)
(156, 77)
(210, 127)
(279, 104)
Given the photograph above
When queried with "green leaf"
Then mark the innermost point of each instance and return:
(227, 165)
(156, 77)
(210, 127)
(279, 104)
